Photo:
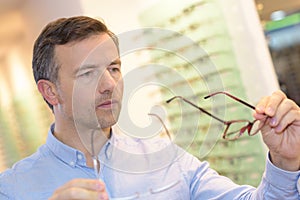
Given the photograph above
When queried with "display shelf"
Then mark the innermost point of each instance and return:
(194, 74)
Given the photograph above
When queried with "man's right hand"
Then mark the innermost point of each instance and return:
(81, 189)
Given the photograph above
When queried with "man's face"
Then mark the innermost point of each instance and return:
(90, 83)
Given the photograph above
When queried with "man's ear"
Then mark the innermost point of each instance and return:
(48, 91)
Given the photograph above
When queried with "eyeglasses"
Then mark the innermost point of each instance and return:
(234, 128)
(138, 195)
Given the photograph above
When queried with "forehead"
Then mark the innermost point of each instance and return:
(97, 49)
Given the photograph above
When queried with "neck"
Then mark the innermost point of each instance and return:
(80, 139)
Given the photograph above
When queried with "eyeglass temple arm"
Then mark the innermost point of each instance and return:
(94, 157)
(231, 96)
(199, 108)
(161, 121)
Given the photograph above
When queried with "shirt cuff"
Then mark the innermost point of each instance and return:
(281, 178)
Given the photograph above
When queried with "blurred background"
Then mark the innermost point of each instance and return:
(251, 49)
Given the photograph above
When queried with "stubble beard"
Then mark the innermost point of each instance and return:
(108, 118)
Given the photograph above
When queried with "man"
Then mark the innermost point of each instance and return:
(77, 68)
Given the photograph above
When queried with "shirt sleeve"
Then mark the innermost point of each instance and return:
(5, 188)
(206, 183)
(279, 184)
(3, 196)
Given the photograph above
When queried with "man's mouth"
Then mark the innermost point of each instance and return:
(107, 104)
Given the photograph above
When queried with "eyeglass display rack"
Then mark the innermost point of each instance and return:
(193, 70)
(20, 126)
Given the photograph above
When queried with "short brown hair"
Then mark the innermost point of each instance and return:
(60, 32)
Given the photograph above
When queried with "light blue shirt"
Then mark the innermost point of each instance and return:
(155, 169)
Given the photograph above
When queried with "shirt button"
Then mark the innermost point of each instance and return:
(72, 163)
(79, 156)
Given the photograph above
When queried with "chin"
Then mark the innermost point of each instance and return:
(106, 122)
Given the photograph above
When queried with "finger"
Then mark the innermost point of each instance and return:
(265, 127)
(261, 106)
(78, 184)
(76, 193)
(259, 113)
(283, 108)
(89, 184)
(274, 101)
(291, 117)
(259, 116)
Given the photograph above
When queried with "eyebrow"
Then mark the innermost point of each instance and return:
(116, 61)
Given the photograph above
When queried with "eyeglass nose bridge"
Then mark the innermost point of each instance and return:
(249, 127)
(238, 132)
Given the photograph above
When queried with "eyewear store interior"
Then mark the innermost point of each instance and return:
(187, 48)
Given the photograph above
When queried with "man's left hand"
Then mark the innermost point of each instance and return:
(281, 129)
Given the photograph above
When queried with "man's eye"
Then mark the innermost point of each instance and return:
(114, 69)
(88, 73)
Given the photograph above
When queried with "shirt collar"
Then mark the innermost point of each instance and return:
(69, 155)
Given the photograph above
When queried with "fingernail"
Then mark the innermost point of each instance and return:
(260, 108)
(98, 186)
(102, 196)
(269, 110)
(273, 121)
(278, 129)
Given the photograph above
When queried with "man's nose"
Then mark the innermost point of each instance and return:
(106, 82)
